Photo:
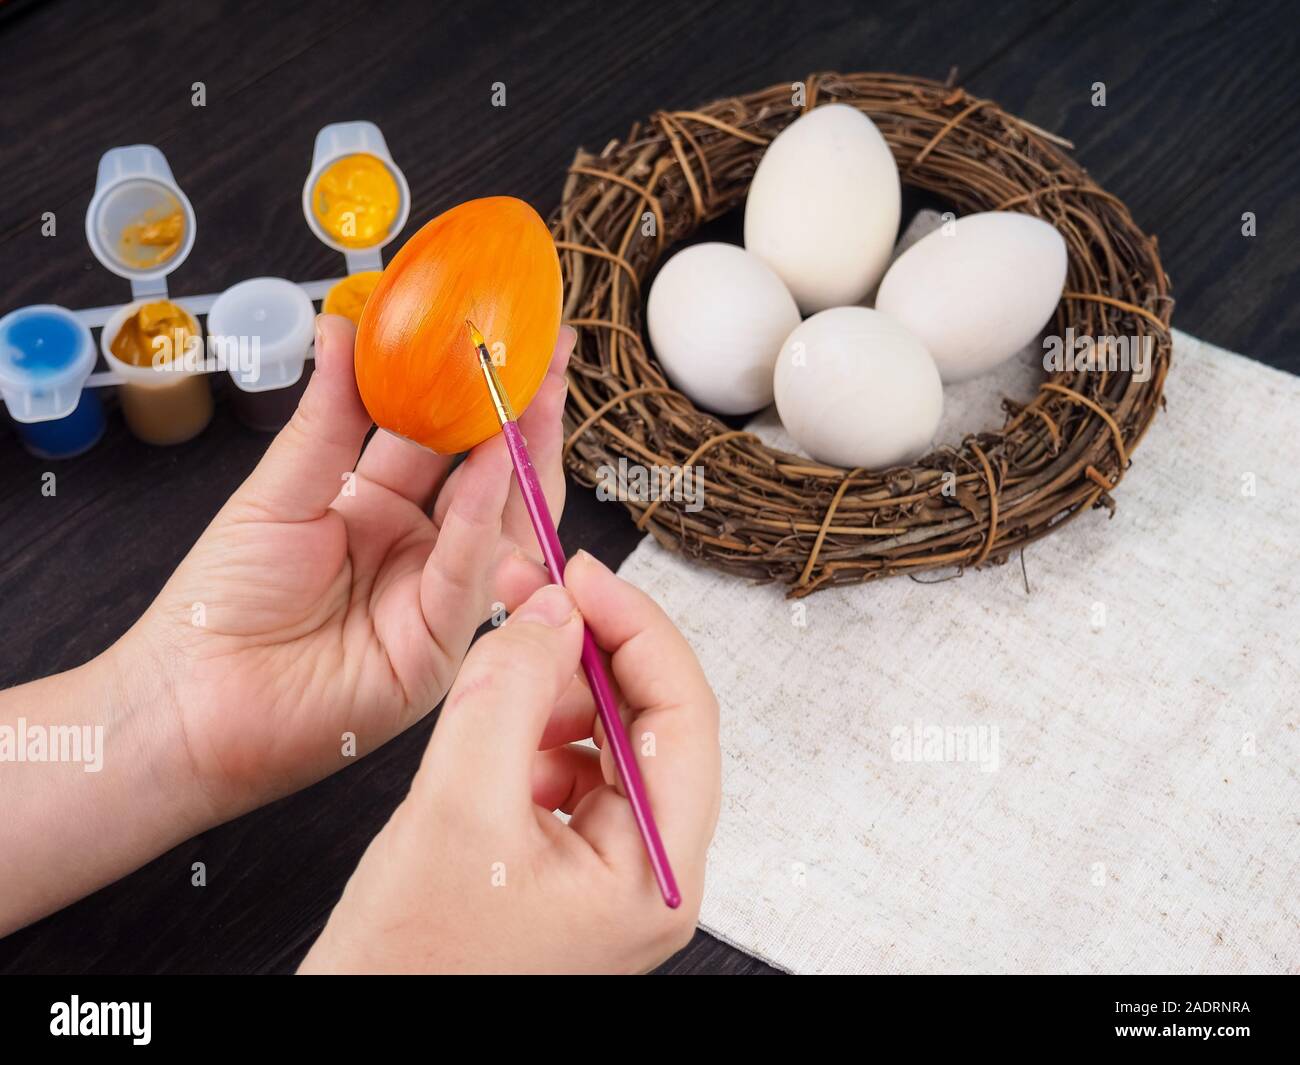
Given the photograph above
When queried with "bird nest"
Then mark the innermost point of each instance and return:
(776, 516)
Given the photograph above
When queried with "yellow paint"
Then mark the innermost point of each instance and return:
(356, 200)
(349, 296)
(134, 343)
(154, 237)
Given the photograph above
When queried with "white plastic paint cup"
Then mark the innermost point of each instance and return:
(46, 354)
(263, 330)
(164, 405)
(333, 142)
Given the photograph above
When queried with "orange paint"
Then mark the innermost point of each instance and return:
(348, 297)
(154, 237)
(492, 261)
(356, 200)
(139, 339)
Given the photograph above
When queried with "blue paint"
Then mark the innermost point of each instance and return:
(44, 343)
(61, 438)
(41, 345)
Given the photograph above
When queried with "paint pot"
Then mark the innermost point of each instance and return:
(333, 143)
(46, 354)
(134, 188)
(163, 405)
(261, 330)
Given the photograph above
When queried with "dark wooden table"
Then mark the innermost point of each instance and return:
(1197, 130)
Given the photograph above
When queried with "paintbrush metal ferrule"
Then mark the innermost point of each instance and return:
(500, 400)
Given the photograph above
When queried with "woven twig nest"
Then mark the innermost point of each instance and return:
(772, 515)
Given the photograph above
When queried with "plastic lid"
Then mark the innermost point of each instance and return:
(134, 187)
(46, 354)
(333, 142)
(262, 329)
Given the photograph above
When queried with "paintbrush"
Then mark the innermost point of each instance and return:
(592, 663)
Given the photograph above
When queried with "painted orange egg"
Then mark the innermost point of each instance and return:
(492, 261)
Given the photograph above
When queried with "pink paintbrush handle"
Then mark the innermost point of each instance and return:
(594, 667)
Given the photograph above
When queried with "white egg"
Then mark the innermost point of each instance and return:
(823, 207)
(717, 317)
(978, 293)
(854, 388)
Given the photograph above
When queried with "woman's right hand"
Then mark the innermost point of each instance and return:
(475, 873)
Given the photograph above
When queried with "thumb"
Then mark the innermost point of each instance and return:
(303, 469)
(487, 735)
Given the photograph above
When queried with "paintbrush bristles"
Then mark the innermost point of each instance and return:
(500, 401)
(475, 335)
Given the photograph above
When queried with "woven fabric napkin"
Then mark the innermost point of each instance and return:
(1101, 773)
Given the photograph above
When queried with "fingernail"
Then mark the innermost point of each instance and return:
(551, 606)
(587, 558)
(320, 335)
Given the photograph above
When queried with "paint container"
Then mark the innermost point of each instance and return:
(134, 188)
(135, 193)
(335, 142)
(46, 354)
(262, 330)
(166, 404)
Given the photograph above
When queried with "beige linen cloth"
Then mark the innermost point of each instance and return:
(1099, 775)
